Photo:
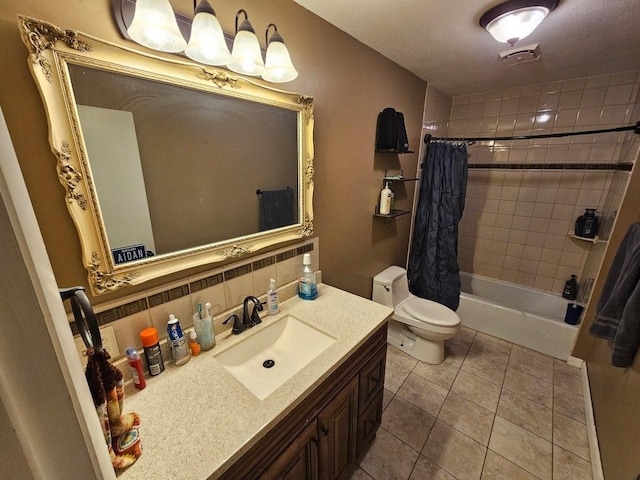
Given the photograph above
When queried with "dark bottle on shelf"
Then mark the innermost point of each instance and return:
(570, 291)
(587, 224)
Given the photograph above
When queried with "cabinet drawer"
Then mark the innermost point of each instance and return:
(368, 423)
(371, 380)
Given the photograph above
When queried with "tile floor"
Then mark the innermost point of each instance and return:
(492, 410)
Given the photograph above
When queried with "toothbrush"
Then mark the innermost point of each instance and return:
(200, 311)
(207, 307)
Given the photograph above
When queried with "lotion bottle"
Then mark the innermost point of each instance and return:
(272, 298)
(385, 200)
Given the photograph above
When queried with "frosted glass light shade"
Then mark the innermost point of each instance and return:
(278, 65)
(154, 25)
(516, 25)
(245, 54)
(207, 44)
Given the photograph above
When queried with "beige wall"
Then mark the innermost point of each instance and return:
(516, 222)
(350, 84)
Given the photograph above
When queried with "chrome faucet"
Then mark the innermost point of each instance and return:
(248, 320)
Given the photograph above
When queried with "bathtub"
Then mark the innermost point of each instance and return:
(531, 318)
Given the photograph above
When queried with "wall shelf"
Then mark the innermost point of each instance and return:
(594, 240)
(394, 150)
(396, 179)
(394, 216)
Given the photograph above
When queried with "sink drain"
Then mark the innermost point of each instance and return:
(268, 363)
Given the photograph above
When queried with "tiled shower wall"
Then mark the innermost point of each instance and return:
(630, 152)
(516, 222)
(437, 112)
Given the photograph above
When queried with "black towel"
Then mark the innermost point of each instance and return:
(276, 209)
(618, 311)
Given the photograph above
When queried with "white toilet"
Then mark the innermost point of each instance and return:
(418, 326)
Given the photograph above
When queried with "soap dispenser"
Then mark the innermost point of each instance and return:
(570, 291)
(590, 223)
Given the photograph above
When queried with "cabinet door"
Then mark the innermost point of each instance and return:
(300, 460)
(368, 423)
(372, 378)
(337, 429)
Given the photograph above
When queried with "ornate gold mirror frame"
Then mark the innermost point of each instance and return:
(51, 50)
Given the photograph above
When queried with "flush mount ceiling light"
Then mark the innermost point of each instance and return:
(515, 19)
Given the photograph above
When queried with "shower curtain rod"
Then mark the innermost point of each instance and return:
(636, 129)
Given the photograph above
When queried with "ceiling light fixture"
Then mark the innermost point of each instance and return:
(513, 20)
(153, 24)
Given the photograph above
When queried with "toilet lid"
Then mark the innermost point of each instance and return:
(431, 312)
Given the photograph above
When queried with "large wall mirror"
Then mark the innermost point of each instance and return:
(167, 164)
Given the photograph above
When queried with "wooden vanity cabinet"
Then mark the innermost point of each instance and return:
(370, 395)
(321, 437)
(300, 459)
(337, 429)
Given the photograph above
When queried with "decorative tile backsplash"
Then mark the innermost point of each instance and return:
(222, 287)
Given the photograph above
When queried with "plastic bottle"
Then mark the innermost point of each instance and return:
(152, 352)
(590, 223)
(193, 343)
(570, 291)
(272, 298)
(385, 200)
(307, 287)
(133, 359)
(179, 350)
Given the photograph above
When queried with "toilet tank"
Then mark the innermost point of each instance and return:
(394, 278)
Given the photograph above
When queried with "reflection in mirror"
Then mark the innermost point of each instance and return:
(176, 168)
(168, 165)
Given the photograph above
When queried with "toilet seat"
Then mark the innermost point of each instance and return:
(430, 312)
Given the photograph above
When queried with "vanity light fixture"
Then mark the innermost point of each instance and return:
(513, 20)
(154, 25)
(245, 54)
(206, 43)
(278, 66)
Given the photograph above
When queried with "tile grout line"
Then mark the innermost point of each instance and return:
(495, 415)
(555, 368)
(435, 417)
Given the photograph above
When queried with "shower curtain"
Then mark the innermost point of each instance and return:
(433, 271)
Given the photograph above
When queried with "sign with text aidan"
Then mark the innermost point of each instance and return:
(129, 254)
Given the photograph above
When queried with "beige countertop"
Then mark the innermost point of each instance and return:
(197, 419)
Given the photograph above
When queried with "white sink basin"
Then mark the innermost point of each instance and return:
(289, 343)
